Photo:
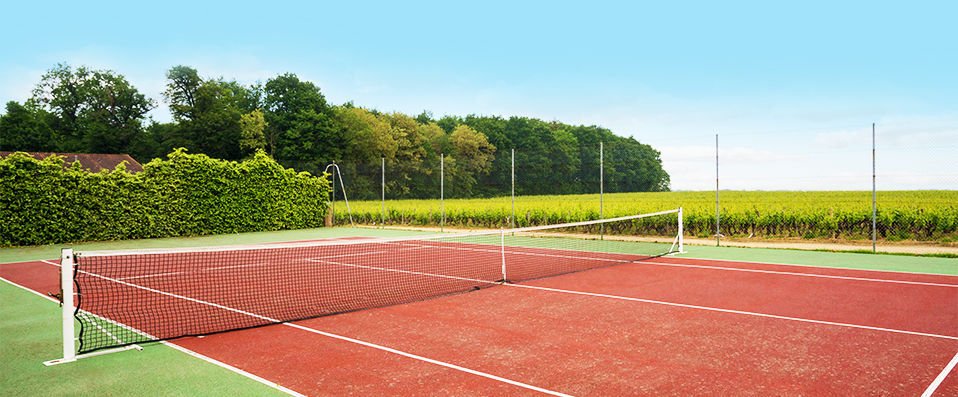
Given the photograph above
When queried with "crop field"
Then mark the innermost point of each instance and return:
(926, 215)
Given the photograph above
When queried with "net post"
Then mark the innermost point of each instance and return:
(66, 291)
(681, 233)
(66, 282)
(502, 249)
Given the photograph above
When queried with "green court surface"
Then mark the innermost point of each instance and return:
(30, 324)
(30, 331)
(898, 263)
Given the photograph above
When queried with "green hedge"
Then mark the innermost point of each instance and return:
(41, 202)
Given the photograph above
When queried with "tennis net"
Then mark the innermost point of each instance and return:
(137, 296)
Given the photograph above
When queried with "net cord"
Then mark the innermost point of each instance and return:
(153, 251)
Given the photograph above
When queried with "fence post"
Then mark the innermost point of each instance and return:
(333, 204)
(383, 224)
(442, 191)
(874, 222)
(718, 234)
(513, 194)
(601, 189)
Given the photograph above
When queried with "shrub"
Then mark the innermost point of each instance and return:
(43, 202)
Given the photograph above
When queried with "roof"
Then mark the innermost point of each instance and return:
(93, 162)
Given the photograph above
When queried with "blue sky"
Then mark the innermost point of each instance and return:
(792, 89)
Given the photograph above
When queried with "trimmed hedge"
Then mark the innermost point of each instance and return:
(43, 202)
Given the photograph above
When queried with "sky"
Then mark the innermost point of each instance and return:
(790, 88)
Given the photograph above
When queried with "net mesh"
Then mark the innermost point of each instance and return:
(128, 297)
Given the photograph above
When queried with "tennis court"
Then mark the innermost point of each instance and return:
(520, 313)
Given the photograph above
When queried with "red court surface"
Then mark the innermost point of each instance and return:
(662, 326)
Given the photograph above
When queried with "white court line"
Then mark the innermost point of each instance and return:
(234, 266)
(658, 302)
(368, 344)
(421, 246)
(821, 267)
(234, 369)
(941, 377)
(405, 271)
(428, 360)
(716, 309)
(152, 275)
(877, 280)
(666, 303)
(190, 271)
(47, 297)
(181, 348)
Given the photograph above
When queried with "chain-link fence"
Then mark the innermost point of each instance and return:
(770, 186)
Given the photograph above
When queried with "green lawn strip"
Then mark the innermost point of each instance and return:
(30, 331)
(21, 254)
(916, 264)
(901, 263)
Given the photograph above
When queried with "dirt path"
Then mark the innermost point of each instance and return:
(802, 244)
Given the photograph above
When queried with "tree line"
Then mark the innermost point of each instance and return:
(86, 110)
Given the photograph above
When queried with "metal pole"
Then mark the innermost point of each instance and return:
(502, 249)
(66, 285)
(874, 223)
(717, 216)
(345, 199)
(442, 191)
(513, 194)
(333, 204)
(681, 233)
(384, 192)
(601, 188)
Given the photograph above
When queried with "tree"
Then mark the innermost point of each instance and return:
(449, 123)
(410, 171)
(472, 155)
(425, 117)
(368, 140)
(301, 132)
(252, 125)
(207, 113)
(183, 83)
(95, 110)
(24, 129)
